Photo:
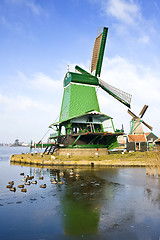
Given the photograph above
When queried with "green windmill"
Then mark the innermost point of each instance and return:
(81, 124)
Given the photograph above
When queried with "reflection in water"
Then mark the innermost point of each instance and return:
(81, 203)
(81, 197)
(98, 203)
(82, 200)
(153, 196)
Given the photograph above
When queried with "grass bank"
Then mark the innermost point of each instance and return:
(134, 159)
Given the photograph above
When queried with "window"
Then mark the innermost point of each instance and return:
(90, 119)
(137, 145)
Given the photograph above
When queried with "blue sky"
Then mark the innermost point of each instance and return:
(39, 38)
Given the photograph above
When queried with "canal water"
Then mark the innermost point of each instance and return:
(92, 203)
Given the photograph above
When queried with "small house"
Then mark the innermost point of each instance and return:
(151, 138)
(121, 139)
(137, 142)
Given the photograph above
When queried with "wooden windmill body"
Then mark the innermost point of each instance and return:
(136, 122)
(137, 140)
(81, 124)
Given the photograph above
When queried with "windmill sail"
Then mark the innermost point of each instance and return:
(98, 52)
(81, 70)
(147, 125)
(132, 114)
(143, 111)
(120, 95)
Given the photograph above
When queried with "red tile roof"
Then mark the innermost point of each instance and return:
(147, 134)
(137, 138)
(157, 140)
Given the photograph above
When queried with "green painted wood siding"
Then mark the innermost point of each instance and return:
(78, 100)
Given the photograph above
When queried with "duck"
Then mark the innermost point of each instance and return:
(22, 174)
(21, 186)
(13, 189)
(43, 186)
(11, 182)
(71, 172)
(61, 174)
(24, 190)
(41, 178)
(54, 181)
(77, 175)
(24, 180)
(30, 178)
(60, 182)
(34, 182)
(9, 186)
(27, 183)
(26, 176)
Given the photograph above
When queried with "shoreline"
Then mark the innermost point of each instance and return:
(135, 159)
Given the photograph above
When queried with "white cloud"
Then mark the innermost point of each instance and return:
(35, 8)
(31, 107)
(141, 82)
(22, 103)
(41, 81)
(135, 79)
(24, 117)
(21, 75)
(124, 11)
(131, 22)
(144, 39)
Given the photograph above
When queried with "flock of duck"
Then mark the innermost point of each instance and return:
(28, 180)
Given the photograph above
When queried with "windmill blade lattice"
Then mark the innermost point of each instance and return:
(98, 51)
(120, 95)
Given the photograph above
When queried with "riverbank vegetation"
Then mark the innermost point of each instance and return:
(150, 160)
(153, 166)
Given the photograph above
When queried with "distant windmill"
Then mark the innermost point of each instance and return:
(136, 122)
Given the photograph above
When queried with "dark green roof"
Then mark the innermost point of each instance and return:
(72, 77)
